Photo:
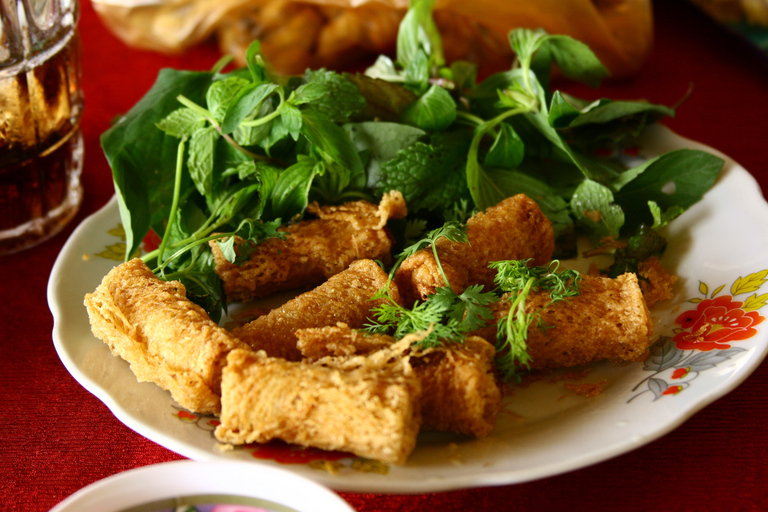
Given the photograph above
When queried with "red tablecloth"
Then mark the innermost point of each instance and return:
(57, 437)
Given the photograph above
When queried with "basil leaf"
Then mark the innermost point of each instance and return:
(575, 60)
(143, 158)
(200, 159)
(678, 178)
(508, 149)
(290, 194)
(335, 147)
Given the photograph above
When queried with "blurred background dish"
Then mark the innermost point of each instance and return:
(337, 34)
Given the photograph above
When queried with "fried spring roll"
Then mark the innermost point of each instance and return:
(514, 229)
(609, 320)
(165, 337)
(313, 249)
(460, 392)
(345, 297)
(367, 406)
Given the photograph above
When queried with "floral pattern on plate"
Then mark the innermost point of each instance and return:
(704, 336)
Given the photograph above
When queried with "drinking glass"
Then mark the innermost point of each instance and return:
(41, 145)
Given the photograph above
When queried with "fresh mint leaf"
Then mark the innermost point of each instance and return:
(429, 175)
(382, 140)
(249, 101)
(433, 111)
(222, 93)
(252, 135)
(291, 119)
(416, 74)
(181, 122)
(341, 99)
(593, 206)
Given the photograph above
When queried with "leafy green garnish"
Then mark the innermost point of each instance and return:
(519, 280)
(446, 316)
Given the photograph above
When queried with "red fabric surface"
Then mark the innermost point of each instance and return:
(57, 437)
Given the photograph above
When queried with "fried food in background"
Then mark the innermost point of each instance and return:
(367, 405)
(607, 320)
(754, 12)
(314, 249)
(460, 392)
(514, 229)
(165, 337)
(340, 33)
(345, 297)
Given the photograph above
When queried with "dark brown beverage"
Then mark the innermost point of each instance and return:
(41, 146)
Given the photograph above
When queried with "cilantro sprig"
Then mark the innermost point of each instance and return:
(446, 316)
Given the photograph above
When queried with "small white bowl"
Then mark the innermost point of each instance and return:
(162, 487)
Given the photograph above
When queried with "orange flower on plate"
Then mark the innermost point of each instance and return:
(714, 323)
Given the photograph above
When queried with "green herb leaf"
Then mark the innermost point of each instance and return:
(508, 149)
(593, 206)
(678, 178)
(201, 158)
(429, 175)
(143, 158)
(433, 111)
(182, 122)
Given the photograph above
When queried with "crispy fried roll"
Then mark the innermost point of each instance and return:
(345, 297)
(368, 405)
(338, 341)
(460, 392)
(514, 229)
(609, 320)
(165, 337)
(313, 249)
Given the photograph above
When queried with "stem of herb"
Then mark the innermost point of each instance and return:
(175, 202)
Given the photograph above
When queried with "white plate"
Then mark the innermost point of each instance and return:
(164, 487)
(718, 248)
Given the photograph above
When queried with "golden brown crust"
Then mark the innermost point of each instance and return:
(460, 392)
(165, 337)
(313, 250)
(369, 407)
(514, 229)
(338, 341)
(345, 297)
(607, 320)
(655, 282)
